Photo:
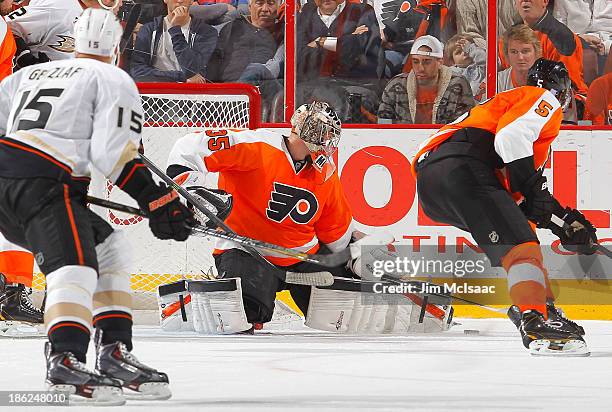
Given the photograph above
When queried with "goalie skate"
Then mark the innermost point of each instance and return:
(551, 337)
(66, 374)
(142, 382)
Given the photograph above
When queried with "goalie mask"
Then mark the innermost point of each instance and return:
(318, 125)
(98, 32)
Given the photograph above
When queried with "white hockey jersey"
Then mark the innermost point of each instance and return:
(47, 26)
(72, 113)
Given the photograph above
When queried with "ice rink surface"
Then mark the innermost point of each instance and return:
(303, 370)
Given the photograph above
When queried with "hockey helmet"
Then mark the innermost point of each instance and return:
(553, 76)
(98, 32)
(318, 125)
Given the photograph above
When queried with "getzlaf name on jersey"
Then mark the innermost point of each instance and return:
(45, 26)
(45, 112)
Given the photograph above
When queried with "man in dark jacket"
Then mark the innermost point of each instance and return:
(339, 55)
(175, 48)
(252, 40)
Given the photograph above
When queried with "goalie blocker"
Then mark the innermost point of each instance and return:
(348, 306)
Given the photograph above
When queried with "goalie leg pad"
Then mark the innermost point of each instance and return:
(351, 306)
(217, 306)
(175, 308)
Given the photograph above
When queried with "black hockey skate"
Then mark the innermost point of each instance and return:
(115, 361)
(66, 374)
(18, 315)
(551, 337)
(554, 314)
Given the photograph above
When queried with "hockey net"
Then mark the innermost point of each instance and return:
(171, 111)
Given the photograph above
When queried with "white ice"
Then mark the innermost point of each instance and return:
(304, 370)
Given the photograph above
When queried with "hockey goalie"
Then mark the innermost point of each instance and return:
(284, 190)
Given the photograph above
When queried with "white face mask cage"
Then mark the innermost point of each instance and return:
(319, 127)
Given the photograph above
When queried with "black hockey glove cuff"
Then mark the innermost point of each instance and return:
(168, 217)
(576, 233)
(539, 205)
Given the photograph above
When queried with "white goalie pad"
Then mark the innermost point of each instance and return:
(217, 306)
(351, 306)
(175, 314)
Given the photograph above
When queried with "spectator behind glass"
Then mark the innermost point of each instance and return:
(521, 48)
(405, 20)
(599, 98)
(175, 48)
(339, 58)
(217, 12)
(590, 19)
(247, 40)
(472, 18)
(558, 41)
(430, 93)
(465, 58)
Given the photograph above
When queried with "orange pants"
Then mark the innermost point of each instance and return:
(16, 263)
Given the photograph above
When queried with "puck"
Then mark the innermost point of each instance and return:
(471, 332)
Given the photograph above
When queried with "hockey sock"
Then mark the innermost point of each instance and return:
(69, 337)
(116, 326)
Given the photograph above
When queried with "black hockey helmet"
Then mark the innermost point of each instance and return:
(553, 76)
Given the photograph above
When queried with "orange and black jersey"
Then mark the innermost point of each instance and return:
(523, 122)
(271, 200)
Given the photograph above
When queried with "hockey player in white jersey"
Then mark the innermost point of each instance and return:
(43, 29)
(58, 119)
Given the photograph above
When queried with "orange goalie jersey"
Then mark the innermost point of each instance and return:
(271, 200)
(523, 122)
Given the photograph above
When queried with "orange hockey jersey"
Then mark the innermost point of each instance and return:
(599, 101)
(7, 50)
(272, 202)
(524, 122)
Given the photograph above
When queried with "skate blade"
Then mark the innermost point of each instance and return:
(151, 391)
(100, 396)
(572, 347)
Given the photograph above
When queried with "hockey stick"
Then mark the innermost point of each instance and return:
(605, 251)
(322, 278)
(329, 260)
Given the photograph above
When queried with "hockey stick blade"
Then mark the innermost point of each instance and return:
(328, 260)
(310, 279)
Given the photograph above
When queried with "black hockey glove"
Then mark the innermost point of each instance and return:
(28, 59)
(219, 202)
(539, 205)
(577, 234)
(168, 217)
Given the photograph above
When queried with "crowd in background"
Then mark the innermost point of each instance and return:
(374, 61)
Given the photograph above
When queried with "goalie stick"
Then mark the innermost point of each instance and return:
(322, 278)
(396, 281)
(328, 260)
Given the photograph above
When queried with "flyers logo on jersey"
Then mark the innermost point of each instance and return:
(299, 204)
(65, 44)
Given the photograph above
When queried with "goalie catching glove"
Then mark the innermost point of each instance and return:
(168, 217)
(219, 202)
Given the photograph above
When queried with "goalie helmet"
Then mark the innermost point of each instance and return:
(98, 32)
(553, 76)
(318, 125)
